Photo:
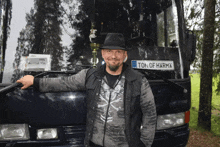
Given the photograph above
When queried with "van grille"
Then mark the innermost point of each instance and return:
(75, 135)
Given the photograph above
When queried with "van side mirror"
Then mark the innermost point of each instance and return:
(191, 46)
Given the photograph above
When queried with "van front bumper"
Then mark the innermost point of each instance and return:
(174, 137)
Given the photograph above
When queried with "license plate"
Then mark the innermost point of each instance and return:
(153, 64)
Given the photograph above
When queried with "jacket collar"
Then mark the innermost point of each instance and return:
(130, 74)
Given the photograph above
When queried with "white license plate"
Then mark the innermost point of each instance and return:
(153, 64)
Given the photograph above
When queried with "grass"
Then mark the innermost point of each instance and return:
(195, 84)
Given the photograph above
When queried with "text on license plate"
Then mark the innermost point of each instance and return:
(153, 64)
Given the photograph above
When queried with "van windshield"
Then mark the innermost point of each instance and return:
(56, 34)
(40, 36)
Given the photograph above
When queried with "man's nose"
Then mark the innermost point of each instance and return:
(114, 54)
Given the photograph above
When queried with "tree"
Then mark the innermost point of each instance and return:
(204, 118)
(25, 44)
(47, 31)
(194, 17)
(216, 64)
(42, 33)
(7, 7)
(194, 21)
(82, 23)
(108, 16)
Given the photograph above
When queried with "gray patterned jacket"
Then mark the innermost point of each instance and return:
(137, 100)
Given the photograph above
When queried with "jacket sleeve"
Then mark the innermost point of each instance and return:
(149, 118)
(70, 83)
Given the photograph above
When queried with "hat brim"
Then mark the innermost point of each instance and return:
(112, 47)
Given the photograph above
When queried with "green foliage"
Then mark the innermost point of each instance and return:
(217, 82)
(215, 120)
(194, 21)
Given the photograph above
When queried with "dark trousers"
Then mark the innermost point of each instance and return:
(94, 145)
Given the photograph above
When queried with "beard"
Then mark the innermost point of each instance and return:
(113, 68)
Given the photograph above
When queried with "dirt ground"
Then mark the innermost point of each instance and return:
(202, 139)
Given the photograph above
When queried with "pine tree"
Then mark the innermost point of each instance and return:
(7, 6)
(47, 31)
(25, 44)
(204, 117)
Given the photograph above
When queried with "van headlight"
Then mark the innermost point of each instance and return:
(49, 133)
(14, 132)
(170, 120)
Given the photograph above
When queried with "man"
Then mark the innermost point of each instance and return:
(121, 110)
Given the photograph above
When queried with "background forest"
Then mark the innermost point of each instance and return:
(49, 19)
(194, 16)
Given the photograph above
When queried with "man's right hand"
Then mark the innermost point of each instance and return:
(27, 81)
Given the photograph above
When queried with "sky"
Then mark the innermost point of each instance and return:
(19, 10)
(18, 22)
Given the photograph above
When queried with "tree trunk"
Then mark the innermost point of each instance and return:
(204, 118)
(5, 37)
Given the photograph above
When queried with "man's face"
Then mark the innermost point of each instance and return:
(114, 58)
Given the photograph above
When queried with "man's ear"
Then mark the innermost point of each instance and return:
(126, 58)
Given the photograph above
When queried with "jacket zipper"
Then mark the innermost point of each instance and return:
(106, 117)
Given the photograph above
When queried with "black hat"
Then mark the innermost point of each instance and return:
(114, 41)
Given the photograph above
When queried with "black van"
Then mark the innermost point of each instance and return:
(159, 46)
